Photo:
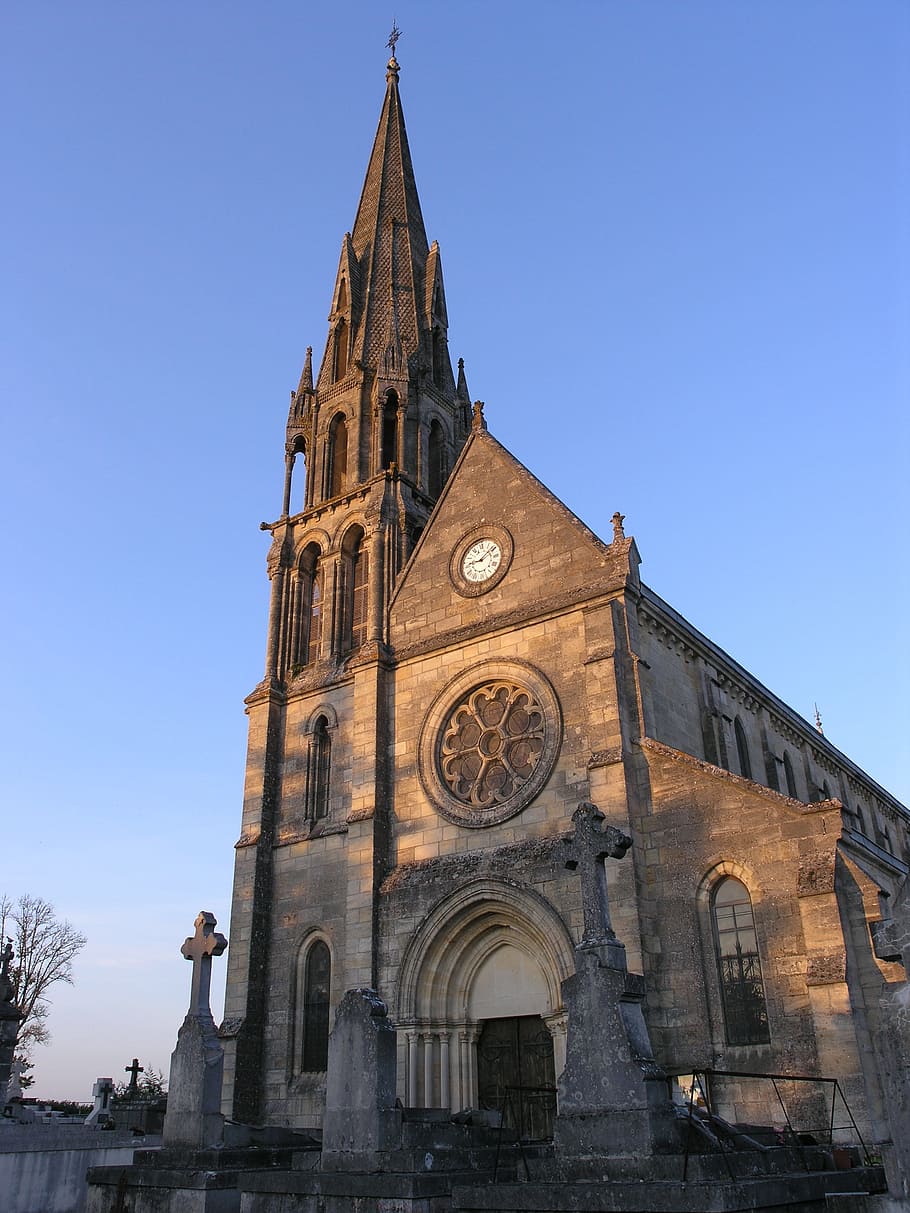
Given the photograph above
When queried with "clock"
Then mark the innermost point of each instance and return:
(481, 560)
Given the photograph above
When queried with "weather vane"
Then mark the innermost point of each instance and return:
(393, 37)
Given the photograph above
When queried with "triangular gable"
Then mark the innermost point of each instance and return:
(551, 559)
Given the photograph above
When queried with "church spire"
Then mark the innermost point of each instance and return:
(381, 286)
(385, 396)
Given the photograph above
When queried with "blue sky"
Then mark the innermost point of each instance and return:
(676, 247)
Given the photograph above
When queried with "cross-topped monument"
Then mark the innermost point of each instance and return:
(200, 948)
(134, 1071)
(592, 843)
(197, 1063)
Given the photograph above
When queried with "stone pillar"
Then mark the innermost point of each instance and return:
(377, 598)
(428, 1068)
(445, 1097)
(467, 1044)
(557, 1025)
(361, 1119)
(413, 1039)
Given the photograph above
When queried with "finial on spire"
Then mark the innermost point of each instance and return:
(618, 532)
(818, 721)
(306, 378)
(478, 422)
(392, 65)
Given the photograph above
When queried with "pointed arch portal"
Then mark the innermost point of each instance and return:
(491, 953)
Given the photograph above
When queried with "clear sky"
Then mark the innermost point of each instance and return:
(676, 243)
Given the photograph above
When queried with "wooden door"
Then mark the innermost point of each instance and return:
(515, 1073)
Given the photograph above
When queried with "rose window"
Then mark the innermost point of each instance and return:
(491, 743)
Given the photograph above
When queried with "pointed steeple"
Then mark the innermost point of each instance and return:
(386, 271)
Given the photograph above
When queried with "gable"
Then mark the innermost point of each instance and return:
(549, 559)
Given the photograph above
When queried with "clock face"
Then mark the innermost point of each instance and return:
(481, 560)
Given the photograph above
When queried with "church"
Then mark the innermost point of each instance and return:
(455, 662)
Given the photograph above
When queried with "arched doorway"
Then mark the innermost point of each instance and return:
(483, 974)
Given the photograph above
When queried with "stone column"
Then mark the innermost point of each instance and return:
(445, 1097)
(413, 1038)
(428, 1068)
(467, 1044)
(377, 598)
(557, 1026)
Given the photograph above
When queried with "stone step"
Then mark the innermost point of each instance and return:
(805, 1193)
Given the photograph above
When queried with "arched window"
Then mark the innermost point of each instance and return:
(742, 749)
(314, 615)
(389, 454)
(340, 366)
(789, 777)
(319, 771)
(738, 964)
(358, 597)
(314, 1007)
(436, 449)
(338, 455)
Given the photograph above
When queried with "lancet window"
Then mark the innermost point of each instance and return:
(314, 987)
(739, 964)
(389, 452)
(340, 361)
(436, 453)
(337, 456)
(790, 777)
(357, 558)
(742, 749)
(319, 771)
(310, 625)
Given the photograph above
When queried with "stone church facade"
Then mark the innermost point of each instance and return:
(454, 662)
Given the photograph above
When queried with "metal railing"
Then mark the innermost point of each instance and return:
(732, 1139)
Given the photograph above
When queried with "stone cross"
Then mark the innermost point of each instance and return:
(592, 844)
(200, 948)
(101, 1094)
(134, 1071)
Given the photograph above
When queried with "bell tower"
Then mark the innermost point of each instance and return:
(377, 431)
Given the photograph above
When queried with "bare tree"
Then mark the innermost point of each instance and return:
(45, 948)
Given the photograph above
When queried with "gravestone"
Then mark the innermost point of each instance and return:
(193, 1116)
(361, 1118)
(613, 1098)
(102, 1094)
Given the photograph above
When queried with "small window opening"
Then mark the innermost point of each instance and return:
(742, 749)
(390, 430)
(436, 452)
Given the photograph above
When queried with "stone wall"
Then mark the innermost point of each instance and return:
(42, 1167)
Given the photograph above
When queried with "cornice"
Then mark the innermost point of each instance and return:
(680, 757)
(781, 716)
(557, 604)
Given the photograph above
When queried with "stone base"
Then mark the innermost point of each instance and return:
(636, 1132)
(191, 1181)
